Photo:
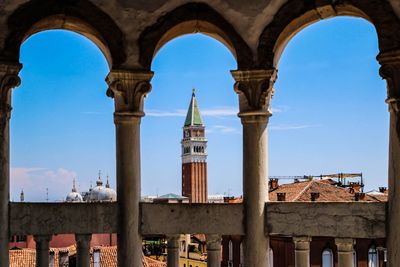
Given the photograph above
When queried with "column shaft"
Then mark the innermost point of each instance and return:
(42, 250)
(390, 70)
(345, 247)
(128, 190)
(8, 80)
(173, 251)
(302, 251)
(213, 250)
(83, 249)
(256, 244)
(255, 90)
(128, 88)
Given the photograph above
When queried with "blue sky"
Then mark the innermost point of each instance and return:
(329, 112)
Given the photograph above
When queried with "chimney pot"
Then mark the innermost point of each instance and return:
(359, 196)
(383, 189)
(281, 196)
(314, 196)
(273, 184)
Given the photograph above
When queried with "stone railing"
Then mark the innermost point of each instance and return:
(344, 221)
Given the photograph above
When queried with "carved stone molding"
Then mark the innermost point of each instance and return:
(302, 242)
(390, 71)
(213, 242)
(345, 244)
(8, 79)
(129, 88)
(255, 90)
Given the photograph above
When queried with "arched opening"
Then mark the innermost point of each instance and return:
(193, 27)
(193, 18)
(373, 260)
(327, 258)
(200, 62)
(330, 68)
(309, 18)
(62, 22)
(62, 124)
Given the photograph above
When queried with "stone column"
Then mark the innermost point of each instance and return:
(302, 251)
(255, 89)
(83, 249)
(42, 250)
(128, 88)
(8, 80)
(173, 250)
(213, 250)
(345, 248)
(390, 70)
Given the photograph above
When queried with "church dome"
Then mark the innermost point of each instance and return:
(102, 193)
(74, 196)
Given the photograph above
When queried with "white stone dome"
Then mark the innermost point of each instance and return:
(102, 193)
(74, 196)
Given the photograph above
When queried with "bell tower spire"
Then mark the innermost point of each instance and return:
(194, 155)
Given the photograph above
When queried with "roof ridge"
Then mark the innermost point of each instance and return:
(302, 191)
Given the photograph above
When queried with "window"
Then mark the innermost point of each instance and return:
(20, 238)
(230, 256)
(51, 259)
(372, 257)
(241, 255)
(96, 258)
(64, 260)
(354, 258)
(327, 258)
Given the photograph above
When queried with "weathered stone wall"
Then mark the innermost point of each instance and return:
(356, 220)
(240, 23)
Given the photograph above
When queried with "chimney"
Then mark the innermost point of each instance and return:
(314, 196)
(273, 184)
(355, 186)
(281, 196)
(359, 196)
(383, 190)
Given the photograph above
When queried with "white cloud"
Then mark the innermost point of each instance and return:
(291, 127)
(92, 113)
(222, 129)
(208, 112)
(211, 112)
(164, 113)
(34, 182)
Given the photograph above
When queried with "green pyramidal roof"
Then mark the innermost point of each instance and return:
(193, 115)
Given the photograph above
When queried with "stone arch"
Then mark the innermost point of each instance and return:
(295, 15)
(80, 16)
(193, 18)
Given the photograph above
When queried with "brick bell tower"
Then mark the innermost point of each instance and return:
(194, 156)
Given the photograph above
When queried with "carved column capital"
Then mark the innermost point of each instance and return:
(390, 71)
(255, 90)
(8, 80)
(129, 88)
(213, 242)
(345, 244)
(302, 242)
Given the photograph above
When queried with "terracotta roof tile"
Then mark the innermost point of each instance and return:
(328, 192)
(108, 257)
